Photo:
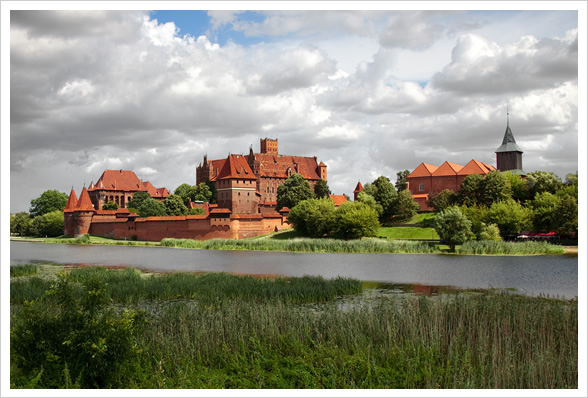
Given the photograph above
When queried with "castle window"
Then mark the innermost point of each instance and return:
(421, 187)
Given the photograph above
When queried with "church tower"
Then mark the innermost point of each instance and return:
(509, 156)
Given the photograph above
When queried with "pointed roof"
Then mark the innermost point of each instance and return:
(508, 142)
(84, 203)
(358, 187)
(476, 167)
(338, 199)
(123, 180)
(72, 202)
(448, 169)
(236, 167)
(423, 170)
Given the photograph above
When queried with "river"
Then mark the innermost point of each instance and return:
(554, 276)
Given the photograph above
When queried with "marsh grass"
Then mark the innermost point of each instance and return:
(491, 247)
(23, 270)
(306, 245)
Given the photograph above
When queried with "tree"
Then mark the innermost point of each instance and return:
(48, 201)
(401, 183)
(313, 217)
(453, 227)
(407, 207)
(19, 223)
(490, 232)
(510, 217)
(518, 185)
(151, 208)
(110, 205)
(138, 199)
(354, 220)
(321, 189)
(543, 181)
(174, 205)
(385, 194)
(471, 190)
(476, 214)
(369, 200)
(200, 192)
(442, 200)
(545, 216)
(496, 188)
(196, 211)
(568, 215)
(52, 223)
(293, 191)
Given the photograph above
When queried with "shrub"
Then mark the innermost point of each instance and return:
(453, 227)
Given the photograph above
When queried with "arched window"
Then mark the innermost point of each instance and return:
(421, 187)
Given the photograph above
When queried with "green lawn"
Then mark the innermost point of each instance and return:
(408, 233)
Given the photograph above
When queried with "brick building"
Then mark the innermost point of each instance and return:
(119, 186)
(249, 184)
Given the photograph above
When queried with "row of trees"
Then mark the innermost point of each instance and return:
(45, 216)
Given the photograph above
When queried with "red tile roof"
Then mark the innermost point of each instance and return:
(476, 167)
(236, 167)
(278, 165)
(84, 203)
(358, 188)
(447, 169)
(423, 170)
(72, 202)
(119, 180)
(338, 199)
(220, 211)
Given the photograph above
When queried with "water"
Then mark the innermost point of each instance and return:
(554, 276)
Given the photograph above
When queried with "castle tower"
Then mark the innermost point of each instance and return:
(509, 156)
(357, 190)
(68, 214)
(322, 171)
(82, 214)
(268, 145)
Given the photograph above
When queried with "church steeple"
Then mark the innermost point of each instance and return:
(508, 155)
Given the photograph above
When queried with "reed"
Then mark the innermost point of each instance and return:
(492, 247)
(306, 245)
(23, 270)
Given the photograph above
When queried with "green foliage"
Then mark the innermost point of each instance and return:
(476, 214)
(23, 270)
(498, 247)
(545, 215)
(138, 199)
(313, 217)
(401, 183)
(568, 215)
(71, 331)
(49, 201)
(519, 186)
(52, 224)
(496, 188)
(354, 220)
(196, 211)
(407, 207)
(321, 189)
(369, 200)
(194, 193)
(471, 190)
(543, 181)
(489, 232)
(151, 208)
(174, 205)
(453, 227)
(110, 205)
(510, 217)
(19, 223)
(572, 179)
(293, 191)
(442, 200)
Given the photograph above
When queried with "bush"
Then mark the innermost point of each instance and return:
(453, 227)
(490, 232)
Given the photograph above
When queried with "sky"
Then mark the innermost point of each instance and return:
(369, 92)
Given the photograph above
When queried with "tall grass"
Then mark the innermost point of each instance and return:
(130, 286)
(307, 245)
(23, 270)
(490, 247)
(463, 341)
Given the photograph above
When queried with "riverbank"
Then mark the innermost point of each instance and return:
(224, 331)
(288, 242)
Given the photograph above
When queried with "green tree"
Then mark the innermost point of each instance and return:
(48, 201)
(195, 193)
(401, 183)
(196, 211)
(568, 215)
(518, 185)
(151, 208)
(212, 189)
(510, 217)
(369, 200)
(138, 199)
(19, 223)
(293, 191)
(354, 220)
(471, 190)
(35, 226)
(110, 205)
(572, 179)
(496, 188)
(321, 189)
(385, 194)
(545, 216)
(174, 206)
(442, 200)
(453, 227)
(407, 207)
(52, 224)
(476, 214)
(313, 217)
(543, 181)
(490, 232)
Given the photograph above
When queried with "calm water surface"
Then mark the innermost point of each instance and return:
(533, 275)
